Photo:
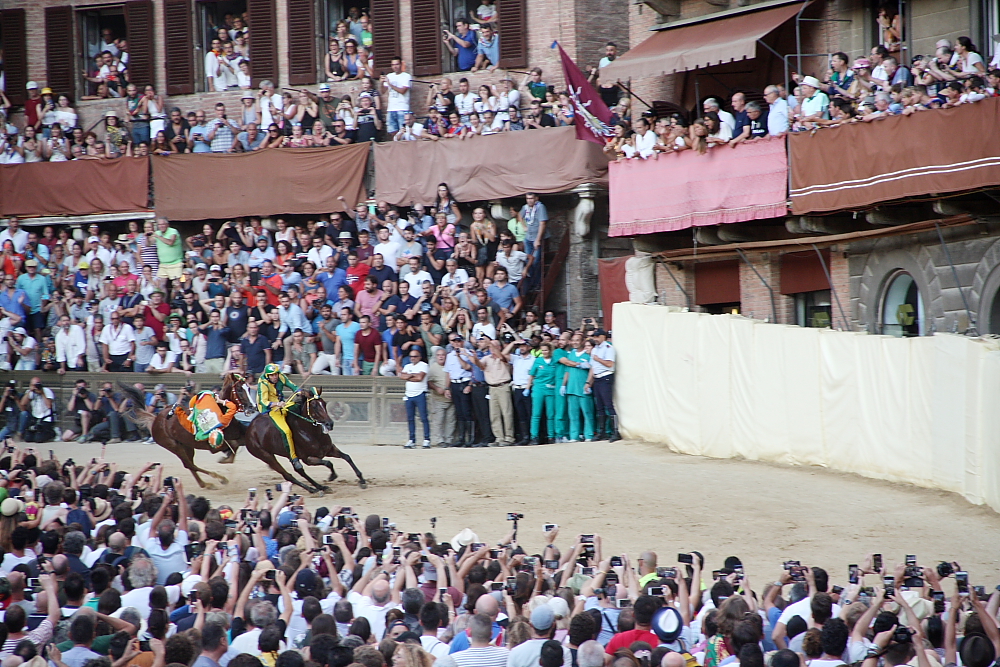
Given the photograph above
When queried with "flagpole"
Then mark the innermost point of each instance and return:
(631, 94)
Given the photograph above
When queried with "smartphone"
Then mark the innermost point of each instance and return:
(551, 565)
(622, 603)
(938, 597)
(476, 546)
(910, 560)
(852, 574)
(716, 575)
(549, 527)
(877, 562)
(890, 586)
(496, 586)
(837, 590)
(345, 510)
(234, 551)
(385, 523)
(52, 455)
(277, 487)
(192, 597)
(413, 537)
(253, 492)
(587, 539)
(655, 591)
(616, 561)
(328, 539)
(341, 522)
(685, 558)
(34, 583)
(980, 592)
(270, 494)
(494, 553)
(269, 575)
(962, 582)
(588, 571)
(511, 584)
(441, 592)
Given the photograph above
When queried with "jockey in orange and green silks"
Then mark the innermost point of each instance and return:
(208, 418)
(270, 400)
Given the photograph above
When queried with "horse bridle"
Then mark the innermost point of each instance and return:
(310, 397)
(237, 378)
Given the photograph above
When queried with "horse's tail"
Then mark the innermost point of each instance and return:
(138, 412)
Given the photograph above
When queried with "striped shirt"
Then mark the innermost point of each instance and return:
(487, 656)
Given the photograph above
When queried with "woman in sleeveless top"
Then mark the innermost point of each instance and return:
(352, 60)
(249, 111)
(65, 114)
(147, 248)
(154, 107)
(29, 146)
(307, 111)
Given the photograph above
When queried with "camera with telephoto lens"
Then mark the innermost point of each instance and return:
(902, 635)
(945, 569)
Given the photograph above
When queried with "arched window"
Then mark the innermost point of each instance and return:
(902, 307)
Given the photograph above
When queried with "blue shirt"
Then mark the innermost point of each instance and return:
(200, 146)
(215, 348)
(12, 302)
(332, 281)
(467, 54)
(346, 334)
(503, 296)
(257, 257)
(293, 318)
(490, 49)
(36, 289)
(387, 339)
(255, 353)
(533, 217)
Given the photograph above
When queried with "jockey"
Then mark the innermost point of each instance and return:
(271, 401)
(208, 418)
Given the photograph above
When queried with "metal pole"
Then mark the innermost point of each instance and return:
(798, 36)
(774, 308)
(829, 280)
(687, 297)
(954, 272)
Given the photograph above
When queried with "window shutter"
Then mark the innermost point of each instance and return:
(513, 23)
(139, 32)
(59, 54)
(385, 33)
(263, 41)
(302, 63)
(179, 45)
(15, 46)
(426, 37)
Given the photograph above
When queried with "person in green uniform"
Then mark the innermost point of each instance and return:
(578, 390)
(562, 347)
(542, 389)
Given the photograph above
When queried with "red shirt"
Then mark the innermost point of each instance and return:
(356, 276)
(151, 321)
(626, 639)
(368, 344)
(31, 108)
(277, 283)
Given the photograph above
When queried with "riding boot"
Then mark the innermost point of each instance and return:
(297, 464)
(615, 436)
(470, 433)
(599, 431)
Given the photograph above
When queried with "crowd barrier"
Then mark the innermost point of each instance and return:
(915, 410)
(365, 410)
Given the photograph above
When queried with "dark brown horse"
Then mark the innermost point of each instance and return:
(169, 434)
(310, 425)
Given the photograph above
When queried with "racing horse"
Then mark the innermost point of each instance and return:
(310, 425)
(169, 434)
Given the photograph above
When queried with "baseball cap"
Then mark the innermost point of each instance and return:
(93, 239)
(84, 265)
(203, 265)
(31, 84)
(305, 582)
(31, 262)
(214, 267)
(344, 235)
(323, 87)
(600, 332)
(542, 617)
(20, 330)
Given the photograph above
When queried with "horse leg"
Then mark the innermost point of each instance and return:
(269, 458)
(317, 461)
(187, 459)
(317, 485)
(347, 457)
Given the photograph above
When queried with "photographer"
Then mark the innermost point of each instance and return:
(40, 426)
(25, 347)
(83, 403)
(113, 406)
(15, 420)
(160, 398)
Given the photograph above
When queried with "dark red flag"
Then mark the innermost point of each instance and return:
(592, 116)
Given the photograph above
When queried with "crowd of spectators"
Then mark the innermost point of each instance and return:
(105, 567)
(141, 123)
(870, 89)
(361, 291)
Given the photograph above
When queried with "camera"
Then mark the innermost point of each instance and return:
(945, 569)
(902, 635)
(616, 561)
(666, 573)
(514, 516)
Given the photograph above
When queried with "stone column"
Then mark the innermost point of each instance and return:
(583, 296)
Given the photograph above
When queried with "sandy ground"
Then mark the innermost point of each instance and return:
(636, 496)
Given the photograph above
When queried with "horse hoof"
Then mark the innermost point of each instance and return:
(228, 459)
(363, 484)
(209, 486)
(222, 479)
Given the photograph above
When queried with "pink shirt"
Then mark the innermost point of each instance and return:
(367, 302)
(122, 281)
(445, 237)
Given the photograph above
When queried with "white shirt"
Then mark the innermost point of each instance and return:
(803, 609)
(415, 388)
(365, 606)
(318, 255)
(70, 344)
(514, 263)
(398, 101)
(434, 646)
(10, 561)
(607, 352)
(527, 654)
(643, 145)
(728, 120)
(777, 117)
(212, 68)
(270, 108)
(162, 363)
(480, 328)
(457, 279)
(18, 239)
(169, 560)
(389, 251)
(118, 341)
(486, 656)
(521, 364)
(411, 133)
(465, 103)
(417, 279)
(139, 598)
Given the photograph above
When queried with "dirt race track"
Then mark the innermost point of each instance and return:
(636, 496)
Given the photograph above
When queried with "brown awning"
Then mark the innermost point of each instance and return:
(75, 187)
(699, 45)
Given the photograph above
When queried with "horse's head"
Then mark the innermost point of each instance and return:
(314, 407)
(235, 389)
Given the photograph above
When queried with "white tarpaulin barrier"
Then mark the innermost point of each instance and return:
(925, 411)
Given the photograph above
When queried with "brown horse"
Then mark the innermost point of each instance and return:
(310, 425)
(169, 434)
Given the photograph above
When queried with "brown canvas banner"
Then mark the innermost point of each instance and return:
(858, 165)
(611, 274)
(275, 181)
(77, 187)
(492, 167)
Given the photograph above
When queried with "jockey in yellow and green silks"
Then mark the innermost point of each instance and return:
(270, 400)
